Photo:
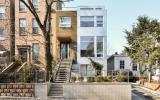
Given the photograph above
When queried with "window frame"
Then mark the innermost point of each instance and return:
(3, 12)
(83, 22)
(23, 28)
(35, 57)
(2, 36)
(21, 9)
(102, 46)
(92, 42)
(100, 23)
(65, 24)
(36, 27)
(122, 65)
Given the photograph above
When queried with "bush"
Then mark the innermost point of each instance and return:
(81, 79)
(73, 79)
(120, 78)
(90, 79)
(99, 79)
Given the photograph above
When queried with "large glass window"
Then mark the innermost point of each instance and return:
(122, 63)
(65, 21)
(99, 46)
(99, 21)
(22, 26)
(1, 34)
(21, 6)
(87, 21)
(35, 27)
(35, 4)
(35, 55)
(87, 46)
(2, 10)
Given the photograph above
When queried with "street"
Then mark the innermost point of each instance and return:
(141, 94)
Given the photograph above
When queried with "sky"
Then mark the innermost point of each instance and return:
(121, 15)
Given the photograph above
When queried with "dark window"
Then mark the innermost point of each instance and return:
(134, 67)
(122, 63)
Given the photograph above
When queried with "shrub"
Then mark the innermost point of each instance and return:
(81, 79)
(120, 78)
(99, 79)
(73, 79)
(90, 79)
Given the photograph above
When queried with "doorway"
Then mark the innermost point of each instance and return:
(23, 52)
(65, 50)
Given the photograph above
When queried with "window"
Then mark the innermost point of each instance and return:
(22, 26)
(87, 46)
(121, 64)
(2, 10)
(21, 6)
(1, 34)
(65, 21)
(35, 4)
(87, 21)
(35, 55)
(86, 8)
(35, 27)
(99, 46)
(134, 67)
(99, 21)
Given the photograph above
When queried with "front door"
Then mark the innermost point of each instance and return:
(65, 52)
(23, 54)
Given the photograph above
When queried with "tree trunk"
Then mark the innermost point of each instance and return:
(149, 74)
(48, 56)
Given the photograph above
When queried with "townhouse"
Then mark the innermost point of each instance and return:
(28, 36)
(6, 31)
(76, 34)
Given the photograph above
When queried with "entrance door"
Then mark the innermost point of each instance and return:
(23, 54)
(65, 52)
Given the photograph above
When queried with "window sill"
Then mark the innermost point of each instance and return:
(37, 34)
(23, 11)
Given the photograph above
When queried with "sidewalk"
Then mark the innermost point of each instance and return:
(156, 93)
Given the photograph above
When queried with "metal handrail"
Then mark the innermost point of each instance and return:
(70, 70)
(57, 68)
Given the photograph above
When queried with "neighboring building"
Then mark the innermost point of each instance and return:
(91, 38)
(66, 35)
(121, 62)
(6, 30)
(29, 38)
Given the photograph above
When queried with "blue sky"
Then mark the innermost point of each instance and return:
(121, 15)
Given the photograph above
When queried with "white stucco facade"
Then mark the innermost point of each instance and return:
(92, 31)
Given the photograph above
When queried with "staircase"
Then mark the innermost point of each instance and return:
(62, 76)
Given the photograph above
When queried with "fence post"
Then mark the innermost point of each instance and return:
(112, 75)
(128, 76)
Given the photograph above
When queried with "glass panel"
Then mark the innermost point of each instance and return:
(65, 21)
(1, 34)
(35, 52)
(21, 6)
(87, 46)
(87, 21)
(35, 4)
(99, 46)
(99, 21)
(22, 22)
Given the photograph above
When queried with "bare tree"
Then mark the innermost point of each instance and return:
(45, 27)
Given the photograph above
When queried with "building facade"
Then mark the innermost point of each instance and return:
(91, 38)
(118, 62)
(6, 30)
(29, 38)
